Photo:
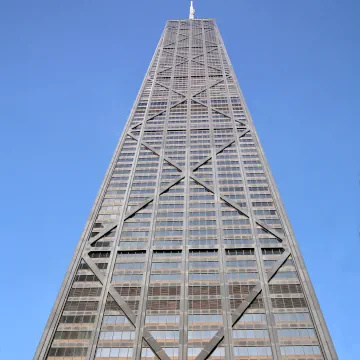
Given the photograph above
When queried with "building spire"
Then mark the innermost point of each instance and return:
(192, 11)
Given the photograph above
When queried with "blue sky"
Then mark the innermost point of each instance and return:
(69, 73)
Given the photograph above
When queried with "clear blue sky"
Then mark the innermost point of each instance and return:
(69, 73)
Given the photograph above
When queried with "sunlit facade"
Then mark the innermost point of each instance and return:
(187, 252)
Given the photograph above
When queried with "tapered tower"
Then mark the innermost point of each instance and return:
(187, 253)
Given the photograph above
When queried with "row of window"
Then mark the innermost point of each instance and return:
(296, 333)
(67, 352)
(205, 318)
(162, 319)
(117, 335)
(77, 319)
(132, 266)
(292, 317)
(115, 320)
(114, 353)
(252, 318)
(300, 350)
(250, 334)
(233, 276)
(72, 335)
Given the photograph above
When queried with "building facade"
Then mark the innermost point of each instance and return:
(188, 252)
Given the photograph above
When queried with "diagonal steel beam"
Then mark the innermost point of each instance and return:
(270, 229)
(209, 51)
(223, 197)
(174, 42)
(169, 68)
(200, 182)
(103, 232)
(186, 98)
(211, 345)
(201, 163)
(158, 113)
(219, 111)
(138, 208)
(229, 201)
(177, 55)
(274, 269)
(219, 336)
(166, 158)
(218, 151)
(197, 56)
(239, 208)
(171, 106)
(211, 108)
(168, 51)
(149, 200)
(153, 344)
(187, 59)
(210, 66)
(206, 159)
(238, 313)
(240, 122)
(208, 87)
(169, 44)
(214, 45)
(169, 88)
(259, 222)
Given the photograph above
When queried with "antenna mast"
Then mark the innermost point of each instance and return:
(192, 11)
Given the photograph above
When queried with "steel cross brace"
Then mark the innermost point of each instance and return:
(153, 344)
(183, 100)
(238, 313)
(232, 203)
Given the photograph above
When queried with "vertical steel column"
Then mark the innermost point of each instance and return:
(149, 253)
(220, 245)
(184, 304)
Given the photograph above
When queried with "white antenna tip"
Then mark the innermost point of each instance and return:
(192, 11)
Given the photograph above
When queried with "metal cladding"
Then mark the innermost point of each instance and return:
(188, 252)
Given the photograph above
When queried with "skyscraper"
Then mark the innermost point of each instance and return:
(188, 252)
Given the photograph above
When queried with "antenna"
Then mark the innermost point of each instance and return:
(192, 11)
